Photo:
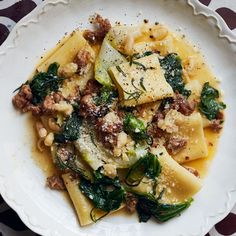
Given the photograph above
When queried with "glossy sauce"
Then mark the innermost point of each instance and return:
(184, 49)
(42, 158)
(203, 74)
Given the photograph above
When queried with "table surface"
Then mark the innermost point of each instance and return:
(11, 11)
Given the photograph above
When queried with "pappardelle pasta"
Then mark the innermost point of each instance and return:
(124, 111)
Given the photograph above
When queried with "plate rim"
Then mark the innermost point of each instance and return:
(33, 18)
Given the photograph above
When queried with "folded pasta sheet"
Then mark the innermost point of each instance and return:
(82, 204)
(176, 182)
(141, 81)
(189, 128)
(66, 52)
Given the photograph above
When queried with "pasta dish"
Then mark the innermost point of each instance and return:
(128, 113)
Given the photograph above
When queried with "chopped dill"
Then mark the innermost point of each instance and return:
(133, 95)
(121, 71)
(140, 64)
(136, 94)
(142, 85)
(136, 56)
(92, 136)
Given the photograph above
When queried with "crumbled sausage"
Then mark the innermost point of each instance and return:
(175, 144)
(192, 171)
(220, 116)
(36, 110)
(216, 125)
(82, 59)
(88, 108)
(23, 98)
(131, 202)
(48, 104)
(154, 131)
(55, 182)
(50, 101)
(57, 96)
(108, 129)
(22, 101)
(90, 36)
(102, 26)
(158, 116)
(181, 104)
(92, 87)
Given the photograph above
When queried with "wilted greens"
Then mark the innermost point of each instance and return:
(209, 105)
(70, 129)
(43, 83)
(149, 206)
(147, 165)
(106, 194)
(173, 73)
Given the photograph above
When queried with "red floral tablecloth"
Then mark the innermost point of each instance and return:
(11, 11)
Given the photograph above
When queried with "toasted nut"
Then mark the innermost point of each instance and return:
(49, 140)
(53, 125)
(38, 125)
(42, 133)
(121, 139)
(110, 170)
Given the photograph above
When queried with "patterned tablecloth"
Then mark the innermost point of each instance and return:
(11, 11)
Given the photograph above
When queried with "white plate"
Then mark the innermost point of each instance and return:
(22, 182)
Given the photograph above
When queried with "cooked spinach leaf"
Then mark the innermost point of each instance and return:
(44, 83)
(209, 105)
(173, 73)
(148, 206)
(105, 193)
(136, 128)
(147, 165)
(70, 129)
